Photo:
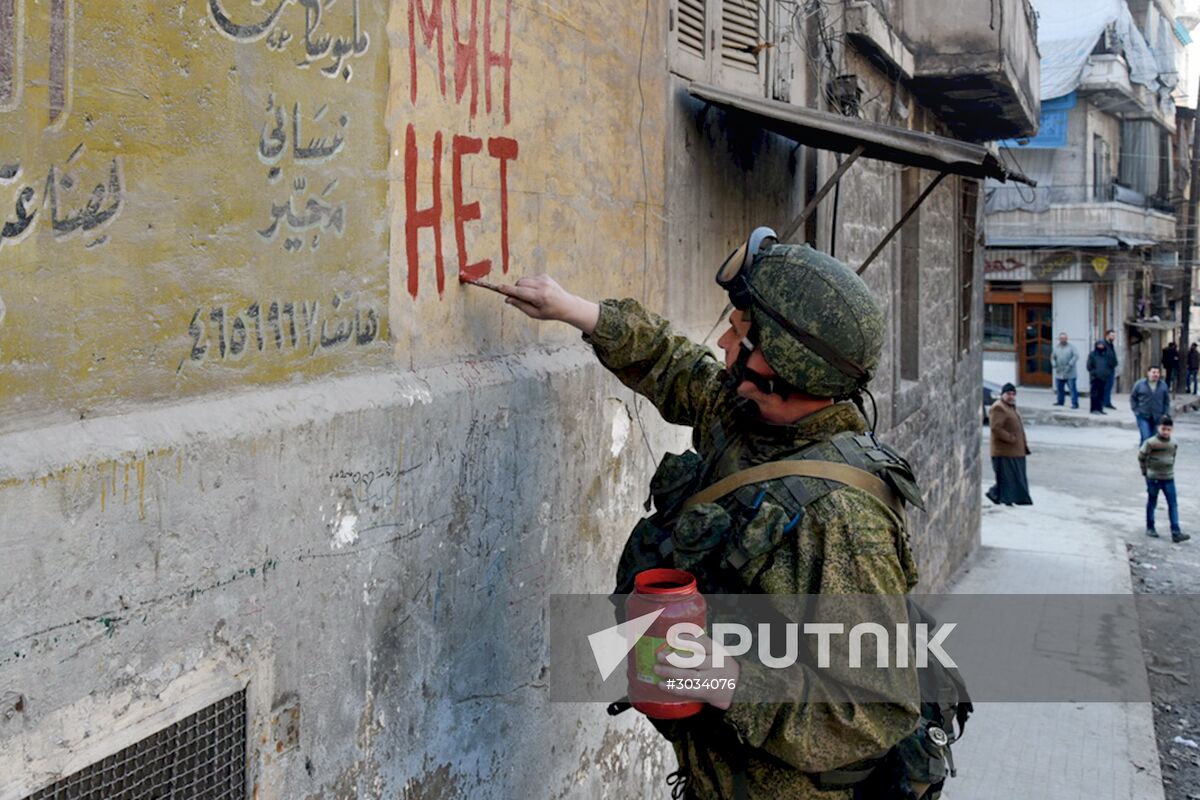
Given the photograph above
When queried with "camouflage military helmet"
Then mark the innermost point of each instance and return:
(815, 320)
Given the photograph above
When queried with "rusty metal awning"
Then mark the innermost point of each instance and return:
(846, 134)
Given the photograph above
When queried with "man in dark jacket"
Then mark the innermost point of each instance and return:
(1193, 368)
(1149, 401)
(1111, 338)
(1099, 371)
(1170, 363)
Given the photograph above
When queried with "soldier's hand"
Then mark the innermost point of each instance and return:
(541, 297)
(707, 683)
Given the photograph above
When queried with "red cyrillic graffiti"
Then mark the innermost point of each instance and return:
(424, 218)
(426, 27)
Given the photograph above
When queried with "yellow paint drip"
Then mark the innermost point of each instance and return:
(141, 482)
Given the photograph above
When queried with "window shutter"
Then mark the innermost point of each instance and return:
(742, 29)
(689, 24)
(689, 27)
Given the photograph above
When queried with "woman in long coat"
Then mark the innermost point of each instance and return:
(1008, 451)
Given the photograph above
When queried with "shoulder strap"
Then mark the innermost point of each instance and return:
(831, 471)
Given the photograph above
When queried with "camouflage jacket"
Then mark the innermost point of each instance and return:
(847, 542)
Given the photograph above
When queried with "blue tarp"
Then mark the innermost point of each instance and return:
(1052, 128)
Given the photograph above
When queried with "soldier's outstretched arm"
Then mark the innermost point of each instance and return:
(681, 378)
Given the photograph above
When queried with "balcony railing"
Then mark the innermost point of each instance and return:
(1040, 198)
(976, 63)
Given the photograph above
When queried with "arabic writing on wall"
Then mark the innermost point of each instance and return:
(59, 57)
(60, 190)
(330, 54)
(318, 214)
(62, 186)
(179, 162)
(477, 53)
(223, 333)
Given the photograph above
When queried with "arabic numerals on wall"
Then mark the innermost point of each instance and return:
(227, 333)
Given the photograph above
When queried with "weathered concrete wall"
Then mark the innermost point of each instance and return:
(371, 547)
(362, 529)
(383, 564)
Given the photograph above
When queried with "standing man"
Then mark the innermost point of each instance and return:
(1170, 362)
(1009, 449)
(1063, 359)
(1149, 401)
(1111, 354)
(1193, 369)
(1099, 371)
(1157, 458)
(805, 336)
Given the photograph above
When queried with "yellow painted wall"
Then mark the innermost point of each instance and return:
(585, 192)
(193, 202)
(187, 205)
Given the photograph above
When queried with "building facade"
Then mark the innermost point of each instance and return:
(1096, 245)
(273, 480)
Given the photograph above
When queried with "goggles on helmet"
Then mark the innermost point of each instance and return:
(734, 277)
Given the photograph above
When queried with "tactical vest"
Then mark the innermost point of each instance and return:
(699, 527)
(706, 532)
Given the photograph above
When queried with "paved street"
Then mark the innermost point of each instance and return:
(1088, 501)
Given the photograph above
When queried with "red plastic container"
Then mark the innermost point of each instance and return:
(674, 591)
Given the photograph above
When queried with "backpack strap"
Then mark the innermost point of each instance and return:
(828, 470)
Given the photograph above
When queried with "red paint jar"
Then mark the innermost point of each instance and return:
(674, 592)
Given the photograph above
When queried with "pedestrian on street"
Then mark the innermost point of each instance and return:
(1009, 449)
(1099, 371)
(803, 341)
(1063, 359)
(1170, 363)
(1149, 401)
(1193, 368)
(1157, 458)
(1111, 337)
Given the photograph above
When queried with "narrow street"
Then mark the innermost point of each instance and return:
(1086, 523)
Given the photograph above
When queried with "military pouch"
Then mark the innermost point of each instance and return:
(922, 753)
(648, 546)
(697, 537)
(750, 549)
(675, 480)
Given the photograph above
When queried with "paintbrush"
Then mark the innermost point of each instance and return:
(481, 283)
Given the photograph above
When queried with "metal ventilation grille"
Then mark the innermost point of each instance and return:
(201, 757)
(691, 26)
(739, 34)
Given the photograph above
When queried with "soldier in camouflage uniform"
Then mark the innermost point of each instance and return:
(773, 396)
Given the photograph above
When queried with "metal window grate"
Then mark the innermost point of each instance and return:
(201, 757)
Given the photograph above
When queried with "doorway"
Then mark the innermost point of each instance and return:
(1036, 338)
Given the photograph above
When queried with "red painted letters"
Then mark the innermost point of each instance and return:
(431, 26)
(464, 57)
(505, 150)
(426, 27)
(501, 59)
(465, 146)
(423, 218)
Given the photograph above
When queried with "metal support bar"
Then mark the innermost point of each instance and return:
(824, 190)
(900, 224)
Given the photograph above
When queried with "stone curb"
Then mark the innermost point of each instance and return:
(1083, 419)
